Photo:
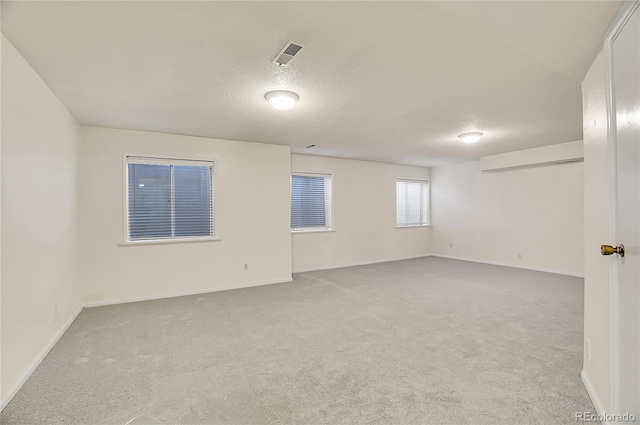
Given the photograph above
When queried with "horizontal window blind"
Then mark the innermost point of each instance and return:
(310, 201)
(412, 202)
(169, 199)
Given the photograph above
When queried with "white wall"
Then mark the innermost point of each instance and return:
(40, 147)
(252, 219)
(364, 216)
(495, 216)
(597, 282)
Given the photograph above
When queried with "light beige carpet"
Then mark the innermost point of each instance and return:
(419, 341)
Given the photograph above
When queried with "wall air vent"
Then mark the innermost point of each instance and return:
(287, 53)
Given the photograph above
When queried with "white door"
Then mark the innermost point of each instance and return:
(625, 132)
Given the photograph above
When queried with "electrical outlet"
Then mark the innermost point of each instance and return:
(519, 256)
(246, 266)
(587, 348)
(451, 245)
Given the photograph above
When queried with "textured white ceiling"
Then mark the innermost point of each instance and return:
(383, 81)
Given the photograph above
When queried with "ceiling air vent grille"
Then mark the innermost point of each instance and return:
(287, 53)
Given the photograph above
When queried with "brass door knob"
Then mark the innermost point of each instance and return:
(608, 250)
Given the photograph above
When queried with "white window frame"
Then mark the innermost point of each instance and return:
(428, 201)
(328, 210)
(166, 160)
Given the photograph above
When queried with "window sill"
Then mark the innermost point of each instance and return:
(168, 241)
(413, 226)
(312, 231)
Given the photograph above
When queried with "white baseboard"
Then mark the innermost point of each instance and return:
(592, 394)
(39, 359)
(182, 294)
(342, 266)
(473, 260)
(515, 266)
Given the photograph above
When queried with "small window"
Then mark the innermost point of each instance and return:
(310, 202)
(169, 199)
(412, 202)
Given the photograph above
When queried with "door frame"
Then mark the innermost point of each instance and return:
(623, 16)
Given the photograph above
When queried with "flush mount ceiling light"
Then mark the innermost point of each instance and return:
(282, 99)
(470, 137)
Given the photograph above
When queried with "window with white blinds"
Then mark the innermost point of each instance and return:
(169, 199)
(310, 202)
(412, 198)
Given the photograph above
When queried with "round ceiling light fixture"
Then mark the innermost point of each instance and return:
(470, 137)
(282, 99)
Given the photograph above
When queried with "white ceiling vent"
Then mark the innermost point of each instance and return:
(287, 53)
